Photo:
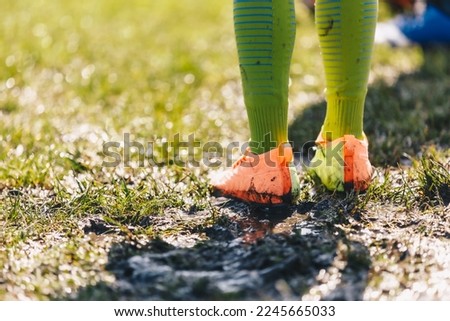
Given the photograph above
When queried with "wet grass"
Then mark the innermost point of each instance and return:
(76, 75)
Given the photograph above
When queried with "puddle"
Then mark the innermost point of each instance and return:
(251, 254)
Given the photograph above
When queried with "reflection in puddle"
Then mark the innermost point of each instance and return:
(307, 228)
(253, 228)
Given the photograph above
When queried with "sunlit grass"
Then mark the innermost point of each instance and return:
(77, 74)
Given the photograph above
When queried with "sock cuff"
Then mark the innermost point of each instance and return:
(344, 116)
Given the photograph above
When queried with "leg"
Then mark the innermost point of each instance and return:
(265, 34)
(346, 31)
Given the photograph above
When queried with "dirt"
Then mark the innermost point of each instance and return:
(326, 250)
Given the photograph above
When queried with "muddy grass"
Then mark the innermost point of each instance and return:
(73, 228)
(336, 248)
(249, 254)
(390, 243)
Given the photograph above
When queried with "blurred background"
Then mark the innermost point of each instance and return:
(77, 74)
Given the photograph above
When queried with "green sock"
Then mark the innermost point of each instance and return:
(346, 30)
(265, 35)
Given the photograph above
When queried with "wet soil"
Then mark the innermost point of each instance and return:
(325, 250)
(301, 252)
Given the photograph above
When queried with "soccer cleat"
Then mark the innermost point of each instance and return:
(268, 179)
(342, 164)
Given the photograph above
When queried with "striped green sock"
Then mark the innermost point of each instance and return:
(346, 30)
(265, 35)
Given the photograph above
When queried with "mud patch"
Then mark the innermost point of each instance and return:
(251, 254)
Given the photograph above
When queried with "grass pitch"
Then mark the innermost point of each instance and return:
(75, 75)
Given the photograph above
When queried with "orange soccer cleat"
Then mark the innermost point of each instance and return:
(268, 179)
(342, 164)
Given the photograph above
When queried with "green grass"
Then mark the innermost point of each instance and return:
(77, 74)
